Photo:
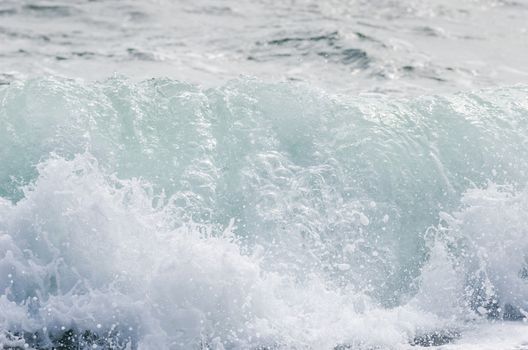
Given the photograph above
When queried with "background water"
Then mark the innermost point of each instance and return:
(263, 174)
(353, 46)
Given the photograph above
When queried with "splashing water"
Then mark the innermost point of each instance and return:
(161, 215)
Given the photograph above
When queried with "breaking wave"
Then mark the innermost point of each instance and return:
(161, 215)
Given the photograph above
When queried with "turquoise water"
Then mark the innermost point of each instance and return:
(160, 214)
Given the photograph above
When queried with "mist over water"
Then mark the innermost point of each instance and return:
(263, 175)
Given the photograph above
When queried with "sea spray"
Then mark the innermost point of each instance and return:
(161, 215)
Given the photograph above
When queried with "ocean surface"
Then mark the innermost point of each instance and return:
(264, 174)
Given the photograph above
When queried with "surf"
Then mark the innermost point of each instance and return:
(159, 214)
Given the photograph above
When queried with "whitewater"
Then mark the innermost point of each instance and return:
(337, 175)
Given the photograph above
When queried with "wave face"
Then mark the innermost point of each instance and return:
(253, 215)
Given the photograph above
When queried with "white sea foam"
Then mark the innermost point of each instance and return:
(160, 215)
(85, 251)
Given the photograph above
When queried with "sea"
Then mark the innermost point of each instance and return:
(264, 174)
